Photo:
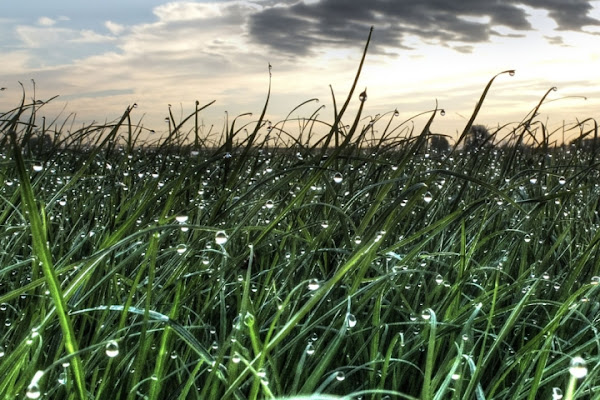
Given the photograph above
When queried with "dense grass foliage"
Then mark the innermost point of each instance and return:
(267, 263)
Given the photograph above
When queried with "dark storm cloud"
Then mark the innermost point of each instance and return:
(299, 28)
(568, 14)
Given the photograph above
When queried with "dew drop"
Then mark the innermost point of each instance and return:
(181, 219)
(313, 284)
(236, 358)
(557, 393)
(439, 279)
(428, 197)
(533, 181)
(363, 96)
(351, 320)
(338, 178)
(269, 204)
(325, 224)
(181, 248)
(340, 376)
(455, 377)
(249, 319)
(595, 280)
(357, 239)
(62, 378)
(173, 355)
(578, 368)
(310, 349)
(38, 167)
(511, 72)
(442, 112)
(33, 391)
(562, 181)
(221, 237)
(426, 314)
(527, 238)
(112, 348)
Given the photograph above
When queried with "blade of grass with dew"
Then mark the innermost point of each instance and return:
(42, 253)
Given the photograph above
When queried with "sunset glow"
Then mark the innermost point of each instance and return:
(102, 59)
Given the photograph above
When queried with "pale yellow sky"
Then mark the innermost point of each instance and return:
(176, 53)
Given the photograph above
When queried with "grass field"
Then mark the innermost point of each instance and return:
(303, 259)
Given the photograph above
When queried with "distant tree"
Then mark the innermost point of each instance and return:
(477, 138)
(439, 143)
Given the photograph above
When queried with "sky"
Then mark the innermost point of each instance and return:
(101, 57)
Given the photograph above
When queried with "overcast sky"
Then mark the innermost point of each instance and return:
(100, 57)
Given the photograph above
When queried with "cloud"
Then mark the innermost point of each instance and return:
(49, 36)
(301, 28)
(114, 28)
(45, 21)
(556, 40)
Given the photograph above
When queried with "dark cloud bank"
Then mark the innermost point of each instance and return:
(299, 28)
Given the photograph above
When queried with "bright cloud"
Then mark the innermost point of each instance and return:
(114, 28)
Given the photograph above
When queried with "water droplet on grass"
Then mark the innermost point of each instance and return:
(313, 284)
(557, 393)
(357, 239)
(439, 279)
(595, 280)
(249, 319)
(38, 167)
(112, 348)
(338, 178)
(351, 320)
(426, 314)
(221, 237)
(511, 72)
(181, 248)
(455, 377)
(269, 204)
(562, 181)
(340, 376)
(236, 358)
(310, 349)
(527, 238)
(427, 197)
(181, 219)
(363, 96)
(33, 390)
(62, 378)
(578, 368)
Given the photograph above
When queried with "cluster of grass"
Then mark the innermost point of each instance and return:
(269, 264)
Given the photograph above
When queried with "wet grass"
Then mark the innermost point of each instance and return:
(300, 259)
